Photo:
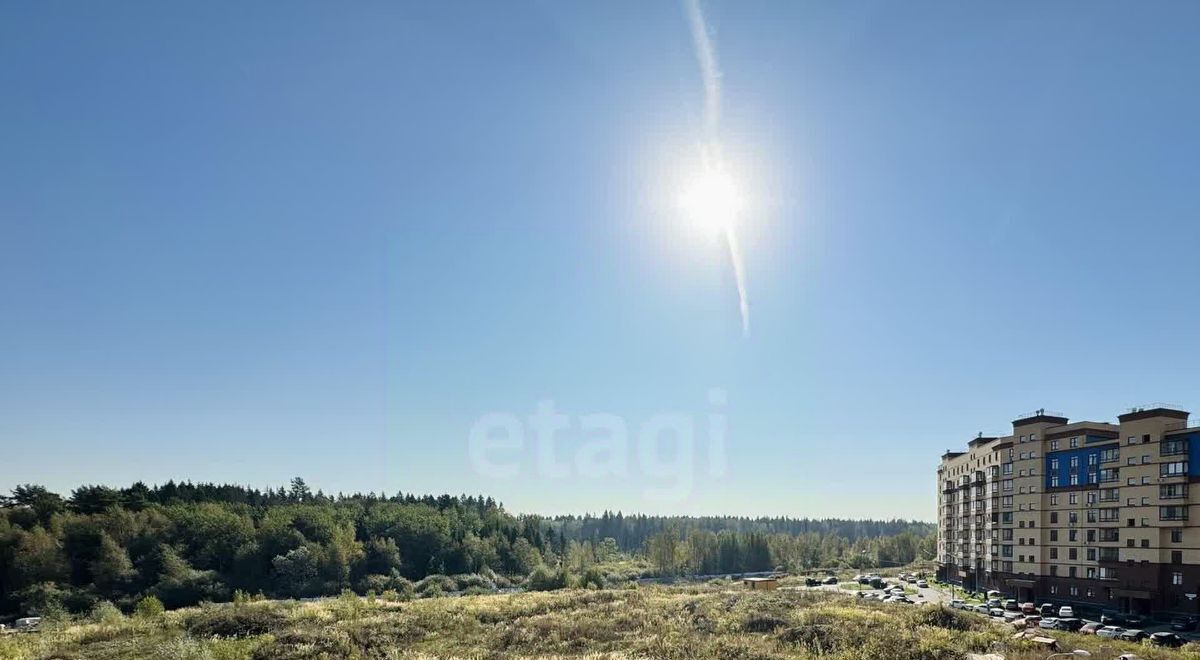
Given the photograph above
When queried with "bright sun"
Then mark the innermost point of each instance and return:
(711, 201)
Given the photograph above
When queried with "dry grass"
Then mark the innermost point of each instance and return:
(695, 621)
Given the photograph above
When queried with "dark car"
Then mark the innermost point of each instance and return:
(830, 580)
(1132, 635)
(1048, 610)
(1184, 623)
(1011, 605)
(812, 582)
(1109, 618)
(1069, 625)
(1167, 639)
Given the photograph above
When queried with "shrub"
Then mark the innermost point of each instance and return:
(593, 577)
(234, 622)
(148, 607)
(473, 580)
(763, 624)
(435, 585)
(543, 578)
(106, 613)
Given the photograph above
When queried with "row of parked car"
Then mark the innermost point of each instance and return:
(1050, 617)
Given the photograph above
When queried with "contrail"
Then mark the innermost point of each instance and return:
(706, 55)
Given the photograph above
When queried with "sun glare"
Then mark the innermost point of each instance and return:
(711, 201)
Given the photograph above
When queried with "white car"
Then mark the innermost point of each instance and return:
(922, 584)
(1066, 612)
(1110, 632)
(957, 604)
(982, 609)
(1048, 624)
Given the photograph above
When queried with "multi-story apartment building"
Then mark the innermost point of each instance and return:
(1090, 513)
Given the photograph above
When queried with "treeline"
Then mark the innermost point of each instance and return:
(184, 543)
(632, 532)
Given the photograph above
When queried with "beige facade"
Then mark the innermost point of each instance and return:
(1092, 513)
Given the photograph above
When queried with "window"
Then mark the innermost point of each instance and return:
(1054, 535)
(1072, 554)
(1024, 455)
(1145, 501)
(1054, 481)
(1054, 445)
(1175, 469)
(1091, 554)
(1177, 577)
(1054, 553)
(1053, 500)
(1073, 535)
(1177, 536)
(1132, 440)
(1073, 498)
(1022, 438)
(1145, 543)
(1176, 556)
(1091, 575)
(1175, 512)
(1053, 517)
(1173, 492)
(1072, 517)
(1173, 447)
(1054, 464)
(1074, 479)
(1145, 459)
(1074, 443)
(1053, 571)
(1071, 570)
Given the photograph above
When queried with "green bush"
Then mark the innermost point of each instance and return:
(148, 607)
(543, 578)
(593, 577)
(106, 613)
(435, 585)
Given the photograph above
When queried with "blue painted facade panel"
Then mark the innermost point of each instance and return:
(1087, 464)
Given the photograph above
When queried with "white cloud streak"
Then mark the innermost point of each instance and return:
(706, 56)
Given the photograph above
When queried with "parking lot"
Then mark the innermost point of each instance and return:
(938, 595)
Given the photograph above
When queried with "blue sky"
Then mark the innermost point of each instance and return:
(246, 242)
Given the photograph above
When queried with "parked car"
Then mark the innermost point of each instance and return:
(1167, 639)
(1133, 635)
(992, 593)
(1184, 623)
(1111, 618)
(1048, 610)
(1011, 605)
(830, 580)
(957, 604)
(996, 612)
(1029, 608)
(1069, 625)
(1066, 612)
(1090, 628)
(982, 609)
(922, 584)
(1110, 632)
(995, 602)
(1049, 623)
(812, 582)
(27, 623)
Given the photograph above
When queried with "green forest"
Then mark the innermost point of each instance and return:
(179, 544)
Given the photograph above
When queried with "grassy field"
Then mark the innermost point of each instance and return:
(715, 620)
